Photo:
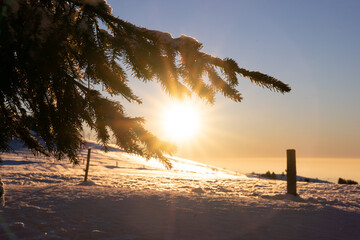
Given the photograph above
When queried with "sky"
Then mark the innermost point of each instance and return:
(311, 45)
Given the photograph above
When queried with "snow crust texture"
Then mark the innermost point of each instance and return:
(128, 197)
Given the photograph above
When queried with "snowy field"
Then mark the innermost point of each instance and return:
(128, 197)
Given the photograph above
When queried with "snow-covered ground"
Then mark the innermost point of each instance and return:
(128, 197)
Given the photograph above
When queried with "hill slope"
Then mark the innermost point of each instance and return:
(128, 197)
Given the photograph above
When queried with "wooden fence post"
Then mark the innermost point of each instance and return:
(87, 165)
(291, 172)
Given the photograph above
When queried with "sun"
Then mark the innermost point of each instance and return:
(181, 122)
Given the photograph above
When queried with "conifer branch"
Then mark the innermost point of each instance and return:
(48, 47)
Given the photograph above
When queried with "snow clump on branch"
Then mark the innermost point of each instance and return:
(167, 39)
(95, 3)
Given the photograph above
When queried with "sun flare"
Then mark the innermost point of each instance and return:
(181, 122)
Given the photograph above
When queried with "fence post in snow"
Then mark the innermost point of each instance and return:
(291, 172)
(87, 165)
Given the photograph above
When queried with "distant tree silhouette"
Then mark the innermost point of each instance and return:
(344, 181)
(49, 50)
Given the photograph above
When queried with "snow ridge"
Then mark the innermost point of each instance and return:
(191, 201)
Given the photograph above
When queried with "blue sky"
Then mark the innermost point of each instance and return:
(311, 45)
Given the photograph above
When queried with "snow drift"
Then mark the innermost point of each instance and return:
(128, 197)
